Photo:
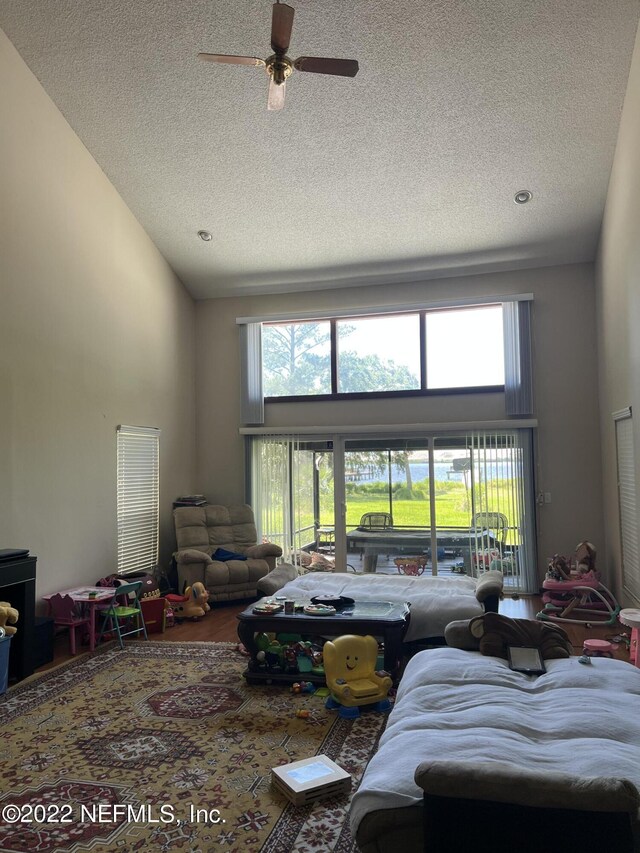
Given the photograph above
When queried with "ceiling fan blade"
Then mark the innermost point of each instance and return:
(320, 65)
(231, 60)
(276, 95)
(281, 25)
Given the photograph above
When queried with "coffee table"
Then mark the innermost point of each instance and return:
(383, 619)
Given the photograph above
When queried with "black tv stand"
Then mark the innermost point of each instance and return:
(18, 586)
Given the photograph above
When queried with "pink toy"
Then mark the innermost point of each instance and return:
(630, 617)
(598, 648)
(565, 600)
(570, 593)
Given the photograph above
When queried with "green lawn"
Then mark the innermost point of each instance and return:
(452, 507)
(452, 504)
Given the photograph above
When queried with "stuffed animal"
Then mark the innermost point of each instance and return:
(8, 617)
(585, 558)
(200, 595)
(559, 568)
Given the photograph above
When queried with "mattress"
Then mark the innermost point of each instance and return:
(455, 705)
(435, 601)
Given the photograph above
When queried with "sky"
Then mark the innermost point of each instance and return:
(464, 347)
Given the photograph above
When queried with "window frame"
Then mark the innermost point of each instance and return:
(423, 391)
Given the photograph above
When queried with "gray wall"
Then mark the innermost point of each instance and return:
(568, 448)
(618, 303)
(95, 330)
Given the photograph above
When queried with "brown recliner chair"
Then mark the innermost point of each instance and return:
(228, 530)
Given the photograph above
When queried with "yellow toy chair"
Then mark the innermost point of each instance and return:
(349, 665)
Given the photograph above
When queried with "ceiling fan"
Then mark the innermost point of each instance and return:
(279, 66)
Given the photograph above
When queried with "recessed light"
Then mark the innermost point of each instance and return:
(205, 235)
(522, 196)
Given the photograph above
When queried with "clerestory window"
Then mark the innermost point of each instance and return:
(442, 349)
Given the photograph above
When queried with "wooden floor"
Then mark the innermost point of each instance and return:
(219, 625)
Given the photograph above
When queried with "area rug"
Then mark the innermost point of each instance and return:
(164, 746)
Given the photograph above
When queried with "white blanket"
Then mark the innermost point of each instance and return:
(455, 705)
(435, 601)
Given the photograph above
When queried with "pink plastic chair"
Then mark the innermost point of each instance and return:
(65, 614)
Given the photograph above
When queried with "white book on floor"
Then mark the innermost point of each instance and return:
(307, 780)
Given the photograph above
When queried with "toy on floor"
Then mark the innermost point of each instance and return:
(597, 648)
(630, 617)
(569, 593)
(186, 606)
(350, 667)
(303, 687)
(8, 617)
(200, 595)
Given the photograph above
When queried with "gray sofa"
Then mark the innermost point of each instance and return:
(201, 531)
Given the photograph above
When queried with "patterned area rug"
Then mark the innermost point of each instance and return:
(164, 746)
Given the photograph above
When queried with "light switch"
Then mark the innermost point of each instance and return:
(547, 497)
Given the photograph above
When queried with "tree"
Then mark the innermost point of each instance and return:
(370, 373)
(296, 359)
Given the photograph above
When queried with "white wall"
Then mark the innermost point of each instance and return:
(618, 304)
(565, 389)
(95, 330)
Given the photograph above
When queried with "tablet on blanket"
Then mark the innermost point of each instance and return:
(526, 659)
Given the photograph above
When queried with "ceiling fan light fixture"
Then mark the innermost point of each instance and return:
(275, 100)
(523, 196)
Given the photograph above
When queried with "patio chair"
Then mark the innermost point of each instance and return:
(375, 521)
(489, 531)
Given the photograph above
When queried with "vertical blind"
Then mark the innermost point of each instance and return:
(502, 497)
(518, 358)
(627, 502)
(281, 492)
(138, 497)
(251, 395)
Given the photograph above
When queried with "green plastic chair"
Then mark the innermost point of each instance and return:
(122, 611)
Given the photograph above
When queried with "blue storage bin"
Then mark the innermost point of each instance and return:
(5, 646)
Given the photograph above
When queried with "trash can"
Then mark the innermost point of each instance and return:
(5, 646)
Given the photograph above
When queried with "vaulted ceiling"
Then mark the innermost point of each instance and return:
(405, 172)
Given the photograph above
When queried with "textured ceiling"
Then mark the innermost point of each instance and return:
(405, 172)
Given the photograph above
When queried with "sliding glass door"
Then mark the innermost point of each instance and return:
(439, 504)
